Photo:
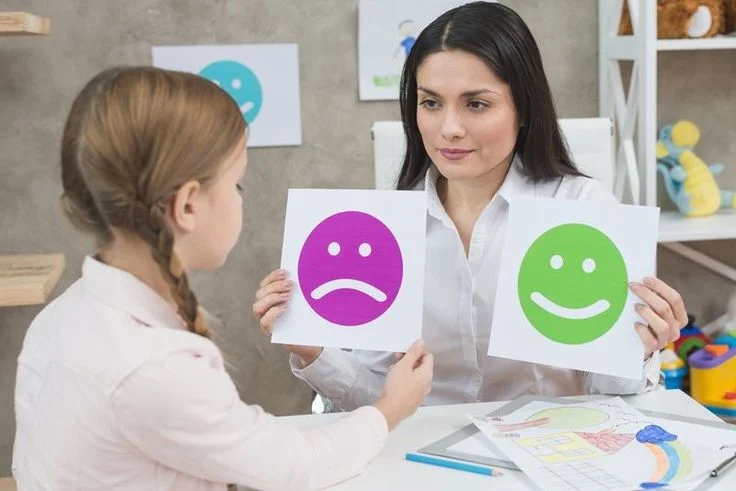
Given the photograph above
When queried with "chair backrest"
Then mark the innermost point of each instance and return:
(590, 141)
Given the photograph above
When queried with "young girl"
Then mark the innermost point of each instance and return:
(480, 126)
(119, 386)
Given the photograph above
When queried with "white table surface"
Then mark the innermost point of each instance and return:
(390, 470)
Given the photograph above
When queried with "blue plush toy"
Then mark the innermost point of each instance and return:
(689, 181)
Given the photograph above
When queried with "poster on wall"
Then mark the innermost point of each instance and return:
(266, 92)
(357, 261)
(566, 273)
(387, 30)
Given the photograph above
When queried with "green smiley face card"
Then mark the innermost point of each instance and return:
(563, 297)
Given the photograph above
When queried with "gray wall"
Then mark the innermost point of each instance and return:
(40, 76)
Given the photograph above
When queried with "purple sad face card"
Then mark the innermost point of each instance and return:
(350, 268)
(357, 257)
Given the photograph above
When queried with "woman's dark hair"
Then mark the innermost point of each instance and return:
(498, 36)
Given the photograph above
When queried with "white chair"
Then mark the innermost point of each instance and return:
(590, 141)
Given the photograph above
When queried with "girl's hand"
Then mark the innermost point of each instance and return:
(664, 312)
(270, 303)
(408, 382)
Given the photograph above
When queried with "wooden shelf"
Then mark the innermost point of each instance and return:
(22, 23)
(28, 280)
(7, 484)
(673, 227)
(717, 42)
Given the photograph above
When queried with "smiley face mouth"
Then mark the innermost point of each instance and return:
(348, 284)
(592, 310)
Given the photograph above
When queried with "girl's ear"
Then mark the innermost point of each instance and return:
(184, 206)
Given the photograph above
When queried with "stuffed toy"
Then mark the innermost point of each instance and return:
(730, 15)
(688, 180)
(678, 19)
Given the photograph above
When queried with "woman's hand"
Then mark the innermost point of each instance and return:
(664, 312)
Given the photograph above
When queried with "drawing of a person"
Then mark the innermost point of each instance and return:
(406, 33)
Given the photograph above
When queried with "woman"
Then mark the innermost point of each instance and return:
(480, 125)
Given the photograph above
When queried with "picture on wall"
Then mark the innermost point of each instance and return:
(387, 30)
(266, 92)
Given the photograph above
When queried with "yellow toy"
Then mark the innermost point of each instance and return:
(713, 379)
(689, 181)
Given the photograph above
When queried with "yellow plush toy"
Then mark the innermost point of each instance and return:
(685, 18)
(689, 181)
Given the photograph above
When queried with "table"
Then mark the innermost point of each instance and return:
(390, 471)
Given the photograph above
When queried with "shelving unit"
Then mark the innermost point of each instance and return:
(27, 279)
(718, 42)
(7, 484)
(636, 162)
(22, 23)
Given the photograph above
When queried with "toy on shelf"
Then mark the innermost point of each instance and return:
(691, 339)
(727, 339)
(673, 367)
(689, 181)
(685, 19)
(731, 16)
(713, 379)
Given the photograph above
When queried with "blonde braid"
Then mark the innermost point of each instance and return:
(150, 224)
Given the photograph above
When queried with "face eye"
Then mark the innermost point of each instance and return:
(477, 105)
(429, 104)
(589, 265)
(556, 261)
(365, 249)
(333, 249)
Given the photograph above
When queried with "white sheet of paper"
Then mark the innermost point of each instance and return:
(563, 297)
(267, 92)
(387, 30)
(357, 258)
(477, 444)
(604, 444)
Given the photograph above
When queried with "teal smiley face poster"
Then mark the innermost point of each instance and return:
(262, 79)
(563, 297)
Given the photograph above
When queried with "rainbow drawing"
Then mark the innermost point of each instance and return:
(672, 458)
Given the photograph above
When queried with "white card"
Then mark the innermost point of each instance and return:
(357, 259)
(563, 297)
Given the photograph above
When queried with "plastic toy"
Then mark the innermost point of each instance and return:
(674, 369)
(688, 180)
(727, 339)
(691, 339)
(713, 379)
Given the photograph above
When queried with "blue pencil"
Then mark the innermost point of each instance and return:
(452, 464)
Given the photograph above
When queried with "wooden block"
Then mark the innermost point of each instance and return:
(21, 23)
(7, 484)
(28, 280)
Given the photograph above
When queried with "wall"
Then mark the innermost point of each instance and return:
(40, 76)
